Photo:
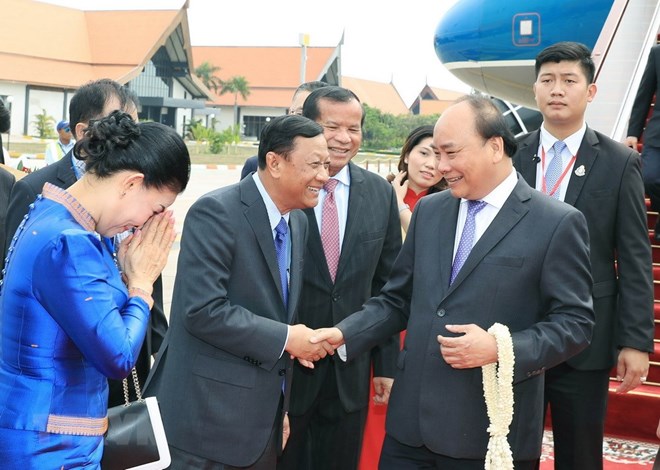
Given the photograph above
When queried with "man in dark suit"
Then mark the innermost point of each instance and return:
(220, 375)
(649, 86)
(5, 126)
(7, 181)
(91, 101)
(329, 403)
(490, 250)
(602, 179)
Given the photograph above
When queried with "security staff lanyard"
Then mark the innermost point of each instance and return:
(560, 179)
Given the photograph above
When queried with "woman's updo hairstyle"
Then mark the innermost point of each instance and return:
(117, 143)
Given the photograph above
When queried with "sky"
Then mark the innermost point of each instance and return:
(383, 41)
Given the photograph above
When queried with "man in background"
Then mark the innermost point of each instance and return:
(354, 237)
(299, 97)
(638, 127)
(63, 145)
(7, 178)
(602, 178)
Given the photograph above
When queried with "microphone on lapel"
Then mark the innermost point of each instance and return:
(536, 158)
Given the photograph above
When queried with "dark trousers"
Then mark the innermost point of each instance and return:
(398, 456)
(578, 402)
(326, 437)
(651, 175)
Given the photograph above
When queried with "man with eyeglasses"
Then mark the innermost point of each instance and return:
(63, 145)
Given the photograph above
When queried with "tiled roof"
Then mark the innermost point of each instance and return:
(272, 73)
(433, 100)
(383, 96)
(73, 46)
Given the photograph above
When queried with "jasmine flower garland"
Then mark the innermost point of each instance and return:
(498, 391)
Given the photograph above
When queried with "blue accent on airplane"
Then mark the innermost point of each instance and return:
(498, 30)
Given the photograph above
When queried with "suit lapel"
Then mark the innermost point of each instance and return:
(528, 158)
(586, 157)
(297, 252)
(65, 172)
(353, 218)
(445, 242)
(257, 216)
(513, 210)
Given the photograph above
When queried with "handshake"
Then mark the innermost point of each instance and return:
(309, 345)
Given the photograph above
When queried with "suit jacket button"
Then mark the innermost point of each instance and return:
(281, 372)
(335, 297)
(441, 312)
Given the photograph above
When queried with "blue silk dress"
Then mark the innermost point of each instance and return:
(66, 323)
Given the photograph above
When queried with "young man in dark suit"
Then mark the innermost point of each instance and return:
(648, 87)
(602, 179)
(347, 262)
(91, 101)
(490, 250)
(223, 376)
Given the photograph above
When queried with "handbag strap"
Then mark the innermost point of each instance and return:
(136, 384)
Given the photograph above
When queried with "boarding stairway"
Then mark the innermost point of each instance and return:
(635, 415)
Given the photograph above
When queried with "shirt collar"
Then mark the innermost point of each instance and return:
(274, 214)
(498, 196)
(573, 141)
(344, 176)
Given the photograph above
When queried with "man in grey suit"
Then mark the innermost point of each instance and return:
(225, 363)
(602, 179)
(528, 269)
(347, 262)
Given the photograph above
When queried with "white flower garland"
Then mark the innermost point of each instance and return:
(498, 391)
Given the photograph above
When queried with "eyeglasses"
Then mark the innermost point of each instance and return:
(66, 129)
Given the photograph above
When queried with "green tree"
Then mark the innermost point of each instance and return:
(236, 85)
(206, 73)
(44, 124)
(386, 132)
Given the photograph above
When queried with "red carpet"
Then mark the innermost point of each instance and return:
(618, 454)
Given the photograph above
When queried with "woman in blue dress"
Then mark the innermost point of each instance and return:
(72, 310)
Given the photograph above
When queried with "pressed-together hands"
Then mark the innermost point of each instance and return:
(143, 255)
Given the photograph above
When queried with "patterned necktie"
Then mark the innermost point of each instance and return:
(553, 173)
(330, 228)
(467, 238)
(281, 233)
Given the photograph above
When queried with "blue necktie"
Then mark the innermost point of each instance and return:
(282, 231)
(553, 173)
(467, 238)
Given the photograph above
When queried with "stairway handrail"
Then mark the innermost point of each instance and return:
(621, 126)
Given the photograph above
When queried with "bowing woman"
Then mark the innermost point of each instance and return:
(72, 311)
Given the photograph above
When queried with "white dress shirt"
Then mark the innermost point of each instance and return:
(342, 191)
(274, 217)
(547, 140)
(494, 202)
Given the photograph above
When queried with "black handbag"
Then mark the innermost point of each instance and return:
(136, 438)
